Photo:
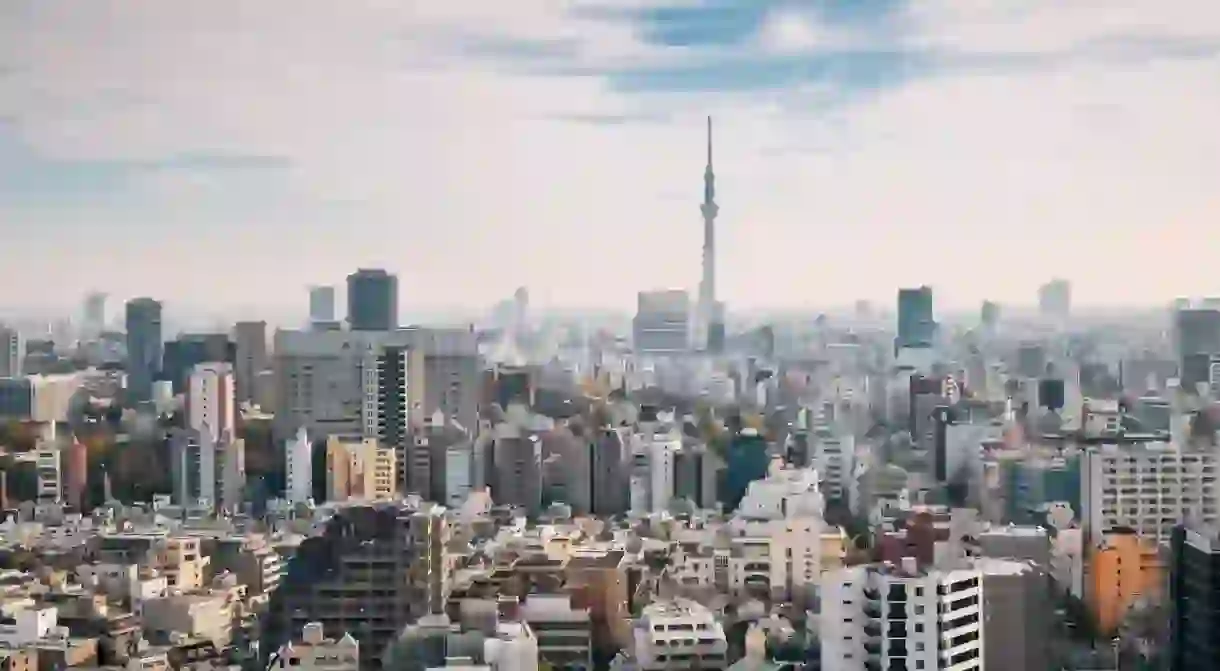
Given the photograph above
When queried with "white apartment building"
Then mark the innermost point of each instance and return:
(204, 470)
(891, 617)
(1147, 487)
(775, 546)
(211, 401)
(298, 456)
(679, 634)
(833, 457)
(652, 467)
(316, 652)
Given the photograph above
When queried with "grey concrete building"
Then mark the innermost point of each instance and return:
(515, 469)
(1016, 615)
(332, 382)
(611, 471)
(250, 339)
(455, 380)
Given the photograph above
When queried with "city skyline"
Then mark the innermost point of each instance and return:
(212, 158)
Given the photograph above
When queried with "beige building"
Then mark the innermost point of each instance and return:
(359, 470)
(315, 651)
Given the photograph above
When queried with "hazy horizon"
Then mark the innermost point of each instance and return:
(223, 156)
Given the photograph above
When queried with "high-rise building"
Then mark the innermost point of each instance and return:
(94, 315)
(371, 571)
(321, 305)
(11, 352)
(1055, 299)
(207, 471)
(298, 467)
(989, 316)
(1197, 332)
(662, 323)
(330, 382)
(210, 401)
(706, 307)
(181, 355)
(1194, 592)
(372, 300)
(916, 322)
(515, 470)
(250, 340)
(144, 346)
(902, 617)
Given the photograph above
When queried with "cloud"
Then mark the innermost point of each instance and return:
(476, 146)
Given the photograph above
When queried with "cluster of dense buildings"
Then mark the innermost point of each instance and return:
(834, 493)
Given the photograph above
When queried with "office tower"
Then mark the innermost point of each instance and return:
(746, 461)
(1197, 331)
(250, 343)
(1194, 593)
(94, 317)
(515, 470)
(916, 323)
(662, 323)
(210, 401)
(451, 379)
(328, 381)
(11, 352)
(707, 284)
(207, 472)
(298, 467)
(144, 346)
(372, 300)
(371, 571)
(1031, 360)
(901, 617)
(1055, 299)
(182, 354)
(321, 305)
(989, 316)
(610, 483)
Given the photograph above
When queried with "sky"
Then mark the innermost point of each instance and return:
(231, 153)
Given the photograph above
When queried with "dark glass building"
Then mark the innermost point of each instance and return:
(191, 349)
(372, 300)
(746, 461)
(144, 348)
(916, 324)
(1194, 593)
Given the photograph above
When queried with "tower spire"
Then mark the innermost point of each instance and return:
(707, 284)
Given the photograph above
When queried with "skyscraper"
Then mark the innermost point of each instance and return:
(143, 320)
(11, 353)
(662, 323)
(1055, 299)
(321, 305)
(94, 315)
(706, 307)
(916, 325)
(372, 300)
(251, 344)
